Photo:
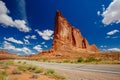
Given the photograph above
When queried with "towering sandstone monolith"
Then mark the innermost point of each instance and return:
(67, 38)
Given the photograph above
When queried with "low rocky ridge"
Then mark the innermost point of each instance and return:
(6, 55)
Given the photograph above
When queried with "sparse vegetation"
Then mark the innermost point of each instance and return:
(3, 75)
(24, 62)
(3, 72)
(6, 62)
(90, 59)
(20, 69)
(44, 60)
(49, 72)
(19, 61)
(66, 61)
(32, 68)
(38, 70)
(80, 59)
(52, 73)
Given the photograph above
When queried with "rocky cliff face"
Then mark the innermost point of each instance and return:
(68, 38)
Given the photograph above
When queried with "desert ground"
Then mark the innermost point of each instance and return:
(10, 70)
(82, 71)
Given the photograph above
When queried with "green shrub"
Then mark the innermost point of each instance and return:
(22, 68)
(38, 70)
(49, 72)
(80, 59)
(91, 59)
(66, 61)
(44, 60)
(24, 62)
(19, 62)
(31, 67)
(57, 76)
(53, 74)
(3, 77)
(3, 72)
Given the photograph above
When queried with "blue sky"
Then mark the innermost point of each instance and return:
(26, 26)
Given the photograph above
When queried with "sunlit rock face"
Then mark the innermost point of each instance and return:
(68, 37)
(67, 40)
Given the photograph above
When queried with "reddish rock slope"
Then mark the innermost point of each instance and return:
(6, 55)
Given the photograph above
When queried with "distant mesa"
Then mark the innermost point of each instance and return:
(68, 39)
(6, 55)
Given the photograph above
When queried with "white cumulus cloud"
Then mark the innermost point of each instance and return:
(45, 46)
(103, 46)
(113, 32)
(98, 13)
(30, 37)
(11, 39)
(114, 49)
(9, 46)
(26, 41)
(38, 48)
(46, 34)
(107, 37)
(43, 43)
(112, 13)
(6, 20)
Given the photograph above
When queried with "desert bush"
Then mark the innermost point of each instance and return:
(38, 70)
(31, 67)
(22, 68)
(24, 62)
(80, 59)
(49, 72)
(91, 59)
(44, 60)
(66, 61)
(52, 73)
(19, 62)
(3, 77)
(57, 76)
(16, 71)
(3, 72)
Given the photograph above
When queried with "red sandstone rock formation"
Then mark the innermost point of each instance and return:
(68, 38)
